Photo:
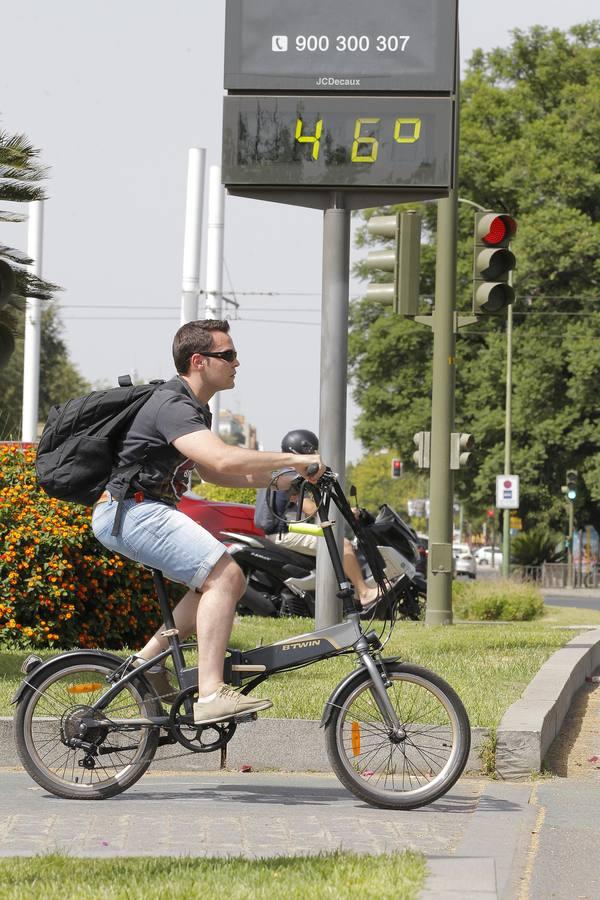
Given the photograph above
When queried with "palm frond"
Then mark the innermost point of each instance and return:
(16, 149)
(16, 255)
(8, 216)
(20, 193)
(23, 173)
(29, 285)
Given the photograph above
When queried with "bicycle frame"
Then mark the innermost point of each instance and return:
(259, 663)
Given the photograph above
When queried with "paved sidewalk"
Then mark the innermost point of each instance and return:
(220, 814)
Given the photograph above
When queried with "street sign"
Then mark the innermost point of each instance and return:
(341, 45)
(417, 508)
(338, 142)
(516, 523)
(507, 491)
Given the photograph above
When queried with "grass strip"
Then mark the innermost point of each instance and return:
(338, 874)
(488, 664)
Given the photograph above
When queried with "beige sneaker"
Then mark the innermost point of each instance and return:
(228, 704)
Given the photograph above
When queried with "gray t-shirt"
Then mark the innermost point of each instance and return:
(171, 412)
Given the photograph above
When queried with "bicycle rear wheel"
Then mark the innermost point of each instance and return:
(52, 713)
(406, 772)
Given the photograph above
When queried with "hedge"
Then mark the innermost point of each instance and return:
(58, 586)
(502, 600)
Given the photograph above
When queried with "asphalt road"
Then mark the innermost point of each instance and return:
(574, 602)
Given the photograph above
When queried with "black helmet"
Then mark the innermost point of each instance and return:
(299, 440)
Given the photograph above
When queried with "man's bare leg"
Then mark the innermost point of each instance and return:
(210, 614)
(184, 616)
(352, 569)
(221, 592)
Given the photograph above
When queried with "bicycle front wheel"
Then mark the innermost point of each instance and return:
(406, 771)
(121, 744)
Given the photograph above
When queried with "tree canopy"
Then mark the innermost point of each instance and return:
(21, 175)
(529, 146)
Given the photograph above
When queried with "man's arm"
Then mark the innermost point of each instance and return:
(220, 463)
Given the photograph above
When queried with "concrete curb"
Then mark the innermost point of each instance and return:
(290, 745)
(530, 725)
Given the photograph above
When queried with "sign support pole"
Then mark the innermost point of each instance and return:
(439, 563)
(507, 437)
(334, 379)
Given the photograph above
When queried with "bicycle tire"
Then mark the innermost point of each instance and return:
(46, 715)
(415, 771)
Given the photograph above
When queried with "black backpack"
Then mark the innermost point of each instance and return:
(77, 449)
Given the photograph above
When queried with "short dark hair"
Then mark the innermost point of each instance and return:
(195, 337)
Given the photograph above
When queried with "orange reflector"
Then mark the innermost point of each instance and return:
(355, 738)
(85, 688)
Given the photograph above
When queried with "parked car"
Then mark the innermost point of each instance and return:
(464, 561)
(483, 556)
(218, 515)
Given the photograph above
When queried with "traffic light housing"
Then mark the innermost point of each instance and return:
(461, 445)
(396, 468)
(404, 261)
(421, 456)
(571, 485)
(493, 262)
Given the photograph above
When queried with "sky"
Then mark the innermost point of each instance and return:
(114, 93)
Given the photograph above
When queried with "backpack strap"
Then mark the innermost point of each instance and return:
(130, 472)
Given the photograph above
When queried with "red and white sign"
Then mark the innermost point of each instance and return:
(507, 491)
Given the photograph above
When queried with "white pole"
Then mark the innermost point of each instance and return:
(33, 326)
(192, 241)
(214, 262)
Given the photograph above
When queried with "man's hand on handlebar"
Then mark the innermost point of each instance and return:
(309, 466)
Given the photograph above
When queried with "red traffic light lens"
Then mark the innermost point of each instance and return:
(500, 229)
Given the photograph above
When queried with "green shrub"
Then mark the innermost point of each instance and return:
(504, 601)
(229, 495)
(537, 546)
(58, 586)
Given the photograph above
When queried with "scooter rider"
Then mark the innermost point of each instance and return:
(302, 441)
(173, 431)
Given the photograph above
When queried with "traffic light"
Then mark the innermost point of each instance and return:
(571, 485)
(422, 441)
(7, 287)
(461, 445)
(404, 261)
(493, 262)
(396, 468)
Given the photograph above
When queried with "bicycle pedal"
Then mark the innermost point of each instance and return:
(244, 720)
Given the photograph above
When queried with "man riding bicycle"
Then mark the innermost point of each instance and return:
(172, 432)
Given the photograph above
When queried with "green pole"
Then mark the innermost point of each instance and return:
(570, 550)
(507, 438)
(439, 562)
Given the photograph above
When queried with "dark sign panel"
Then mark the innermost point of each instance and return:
(339, 142)
(341, 45)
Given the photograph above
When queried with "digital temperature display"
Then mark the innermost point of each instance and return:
(337, 142)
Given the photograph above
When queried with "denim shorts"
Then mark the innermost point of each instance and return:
(157, 535)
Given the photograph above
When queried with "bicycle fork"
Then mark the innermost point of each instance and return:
(379, 690)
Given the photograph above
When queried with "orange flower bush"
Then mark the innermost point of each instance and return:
(58, 586)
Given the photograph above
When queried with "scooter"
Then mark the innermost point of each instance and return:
(282, 582)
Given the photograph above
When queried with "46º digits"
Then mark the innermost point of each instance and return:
(365, 147)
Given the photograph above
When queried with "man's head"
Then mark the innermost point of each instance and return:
(204, 352)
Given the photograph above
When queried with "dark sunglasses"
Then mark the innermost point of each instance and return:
(228, 355)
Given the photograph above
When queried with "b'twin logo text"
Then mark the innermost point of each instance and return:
(299, 645)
